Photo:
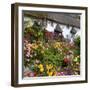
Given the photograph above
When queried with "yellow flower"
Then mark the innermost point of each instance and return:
(57, 44)
(42, 69)
(50, 73)
(40, 66)
(49, 66)
(34, 46)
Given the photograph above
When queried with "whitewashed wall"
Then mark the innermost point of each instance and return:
(65, 30)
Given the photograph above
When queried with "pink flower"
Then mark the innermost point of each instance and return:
(60, 73)
(29, 74)
(32, 74)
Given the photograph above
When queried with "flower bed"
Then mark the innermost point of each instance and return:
(49, 57)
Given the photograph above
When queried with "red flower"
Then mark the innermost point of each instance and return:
(66, 60)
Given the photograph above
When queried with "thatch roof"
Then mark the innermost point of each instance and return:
(65, 19)
(61, 18)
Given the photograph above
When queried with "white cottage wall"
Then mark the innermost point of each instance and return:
(66, 30)
(50, 27)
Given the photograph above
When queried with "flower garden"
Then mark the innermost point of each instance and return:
(45, 55)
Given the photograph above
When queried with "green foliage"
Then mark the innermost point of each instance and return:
(52, 55)
(76, 52)
(34, 33)
(77, 41)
